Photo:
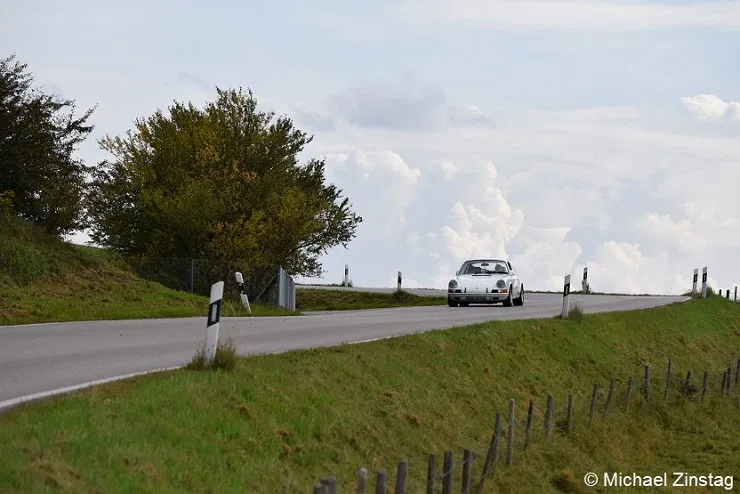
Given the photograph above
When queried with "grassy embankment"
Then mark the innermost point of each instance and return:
(277, 423)
(44, 279)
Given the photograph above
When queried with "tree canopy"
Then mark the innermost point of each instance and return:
(39, 177)
(223, 181)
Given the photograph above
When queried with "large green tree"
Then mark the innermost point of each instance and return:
(223, 181)
(38, 137)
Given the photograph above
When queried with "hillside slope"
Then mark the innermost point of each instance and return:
(44, 279)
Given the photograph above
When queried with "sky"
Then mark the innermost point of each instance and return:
(557, 134)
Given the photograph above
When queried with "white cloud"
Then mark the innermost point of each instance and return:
(545, 257)
(594, 187)
(572, 14)
(701, 227)
(708, 107)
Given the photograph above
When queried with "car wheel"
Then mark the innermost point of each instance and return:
(520, 299)
(451, 302)
(508, 301)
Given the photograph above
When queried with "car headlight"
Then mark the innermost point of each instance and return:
(452, 284)
(500, 283)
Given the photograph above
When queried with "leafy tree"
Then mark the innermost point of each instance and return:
(223, 182)
(38, 135)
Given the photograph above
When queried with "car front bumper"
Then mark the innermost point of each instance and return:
(483, 297)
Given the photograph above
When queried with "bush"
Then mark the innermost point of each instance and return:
(225, 358)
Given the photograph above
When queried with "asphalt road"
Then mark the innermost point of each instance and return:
(42, 358)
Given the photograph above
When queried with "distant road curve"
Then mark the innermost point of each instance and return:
(40, 359)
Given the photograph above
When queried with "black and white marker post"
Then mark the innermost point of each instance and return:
(735, 294)
(346, 275)
(704, 282)
(243, 291)
(696, 281)
(566, 297)
(214, 316)
(399, 281)
(584, 283)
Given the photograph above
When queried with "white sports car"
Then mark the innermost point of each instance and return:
(485, 281)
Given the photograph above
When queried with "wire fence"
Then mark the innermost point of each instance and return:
(540, 423)
(265, 284)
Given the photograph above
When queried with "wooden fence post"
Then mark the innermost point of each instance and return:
(687, 383)
(329, 485)
(492, 456)
(401, 473)
(609, 397)
(380, 482)
(449, 463)
(647, 382)
(362, 481)
(528, 434)
(704, 384)
(593, 403)
(667, 380)
(510, 446)
(431, 473)
(629, 393)
(467, 461)
(570, 414)
(729, 379)
(548, 417)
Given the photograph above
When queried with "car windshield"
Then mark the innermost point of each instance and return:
(484, 267)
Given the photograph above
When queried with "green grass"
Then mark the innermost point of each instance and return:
(313, 299)
(277, 423)
(44, 279)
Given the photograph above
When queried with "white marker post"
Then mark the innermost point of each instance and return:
(566, 297)
(214, 315)
(243, 291)
(399, 281)
(584, 283)
(346, 275)
(696, 281)
(704, 282)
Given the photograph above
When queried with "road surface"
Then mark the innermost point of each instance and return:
(41, 359)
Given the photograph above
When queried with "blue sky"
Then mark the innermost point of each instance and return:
(558, 133)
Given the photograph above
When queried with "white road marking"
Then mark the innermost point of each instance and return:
(54, 392)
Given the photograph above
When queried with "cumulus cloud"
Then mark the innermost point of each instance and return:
(710, 107)
(402, 103)
(544, 256)
(587, 187)
(571, 14)
(700, 227)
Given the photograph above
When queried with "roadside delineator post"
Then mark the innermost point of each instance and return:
(735, 294)
(584, 283)
(399, 280)
(243, 291)
(696, 281)
(214, 316)
(566, 297)
(346, 275)
(704, 282)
